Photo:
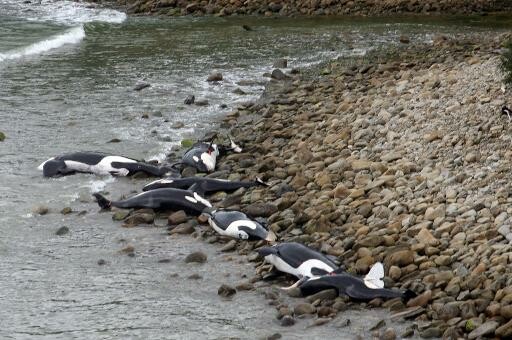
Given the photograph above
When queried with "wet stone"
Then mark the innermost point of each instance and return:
(196, 257)
(195, 276)
(304, 308)
(177, 217)
(388, 334)
(62, 231)
(231, 245)
(328, 294)
(226, 291)
(66, 211)
(287, 321)
(183, 229)
(40, 210)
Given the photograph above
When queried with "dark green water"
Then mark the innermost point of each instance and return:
(66, 83)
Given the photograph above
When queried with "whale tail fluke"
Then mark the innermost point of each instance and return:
(259, 181)
(104, 203)
(374, 277)
(409, 294)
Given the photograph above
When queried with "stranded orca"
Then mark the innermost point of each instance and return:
(203, 156)
(202, 184)
(366, 289)
(161, 199)
(100, 164)
(237, 225)
(297, 259)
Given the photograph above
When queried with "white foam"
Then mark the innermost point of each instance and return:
(72, 36)
(63, 12)
(99, 185)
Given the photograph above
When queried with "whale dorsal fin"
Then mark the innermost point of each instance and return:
(374, 277)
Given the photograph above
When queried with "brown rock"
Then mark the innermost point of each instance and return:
(426, 237)
(304, 308)
(399, 258)
(197, 257)
(421, 300)
(177, 218)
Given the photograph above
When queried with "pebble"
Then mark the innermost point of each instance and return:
(62, 231)
(226, 291)
(196, 257)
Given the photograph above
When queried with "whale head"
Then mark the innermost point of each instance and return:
(54, 167)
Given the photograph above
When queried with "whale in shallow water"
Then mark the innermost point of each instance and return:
(100, 164)
(236, 224)
(202, 184)
(203, 156)
(361, 289)
(160, 199)
(297, 259)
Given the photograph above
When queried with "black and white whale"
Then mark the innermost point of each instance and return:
(160, 199)
(203, 155)
(202, 184)
(366, 289)
(236, 224)
(100, 164)
(297, 259)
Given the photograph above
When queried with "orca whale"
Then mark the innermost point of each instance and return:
(202, 184)
(366, 289)
(100, 164)
(203, 155)
(160, 199)
(236, 224)
(297, 259)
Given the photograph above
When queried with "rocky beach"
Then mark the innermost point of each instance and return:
(310, 7)
(402, 161)
(399, 155)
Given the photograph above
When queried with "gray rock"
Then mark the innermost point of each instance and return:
(62, 231)
(196, 257)
(487, 328)
(190, 99)
(260, 209)
(40, 210)
(304, 308)
(141, 85)
(287, 321)
(277, 74)
(328, 294)
(226, 291)
(280, 63)
(231, 245)
(215, 76)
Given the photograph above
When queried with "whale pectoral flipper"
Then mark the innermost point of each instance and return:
(137, 167)
(198, 188)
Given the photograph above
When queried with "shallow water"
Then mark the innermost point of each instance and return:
(67, 74)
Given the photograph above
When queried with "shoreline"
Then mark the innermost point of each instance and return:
(308, 8)
(376, 161)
